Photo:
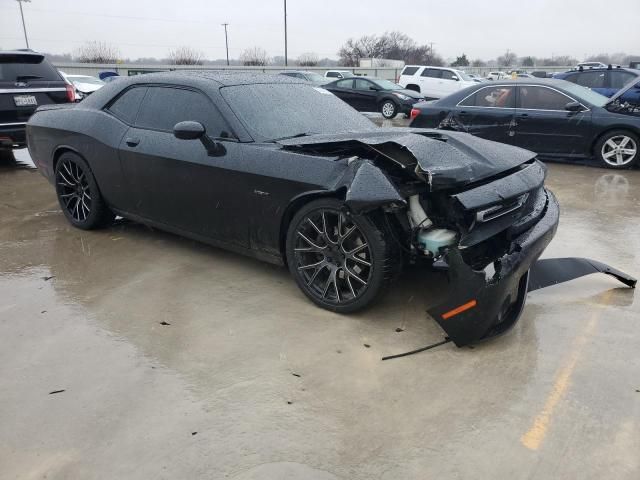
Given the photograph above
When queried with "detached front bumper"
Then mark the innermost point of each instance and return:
(483, 304)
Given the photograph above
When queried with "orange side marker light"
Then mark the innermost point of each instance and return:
(462, 308)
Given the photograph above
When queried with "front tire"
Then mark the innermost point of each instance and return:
(617, 149)
(78, 194)
(389, 109)
(342, 262)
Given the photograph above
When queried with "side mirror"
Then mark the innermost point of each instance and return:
(453, 77)
(195, 131)
(573, 107)
(189, 130)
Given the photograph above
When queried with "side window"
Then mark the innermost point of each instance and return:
(431, 73)
(126, 106)
(163, 107)
(542, 98)
(618, 79)
(449, 75)
(360, 84)
(591, 79)
(333, 75)
(409, 70)
(497, 97)
(347, 83)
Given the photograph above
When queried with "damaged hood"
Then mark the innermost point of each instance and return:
(445, 159)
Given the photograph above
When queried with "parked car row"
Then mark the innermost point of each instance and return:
(553, 118)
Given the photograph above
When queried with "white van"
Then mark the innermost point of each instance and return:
(434, 82)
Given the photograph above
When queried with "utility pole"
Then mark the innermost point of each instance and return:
(226, 41)
(24, 28)
(285, 33)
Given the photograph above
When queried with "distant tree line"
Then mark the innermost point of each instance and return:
(390, 46)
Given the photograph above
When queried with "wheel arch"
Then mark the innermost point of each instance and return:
(295, 205)
(609, 129)
(414, 87)
(62, 149)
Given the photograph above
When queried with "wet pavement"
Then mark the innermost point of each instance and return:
(172, 359)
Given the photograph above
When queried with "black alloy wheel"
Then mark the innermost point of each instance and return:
(78, 194)
(339, 261)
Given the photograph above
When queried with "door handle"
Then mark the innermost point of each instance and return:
(523, 115)
(132, 142)
(464, 113)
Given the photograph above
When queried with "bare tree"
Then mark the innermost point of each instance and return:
(308, 59)
(528, 61)
(185, 56)
(508, 59)
(97, 52)
(478, 63)
(390, 45)
(254, 56)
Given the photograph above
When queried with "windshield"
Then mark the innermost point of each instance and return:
(347, 74)
(274, 111)
(586, 94)
(386, 84)
(26, 67)
(464, 76)
(85, 79)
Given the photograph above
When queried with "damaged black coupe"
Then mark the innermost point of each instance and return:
(286, 172)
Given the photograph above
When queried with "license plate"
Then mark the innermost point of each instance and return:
(25, 100)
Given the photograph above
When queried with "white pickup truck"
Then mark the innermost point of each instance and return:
(434, 82)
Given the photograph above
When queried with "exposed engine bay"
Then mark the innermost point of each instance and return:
(480, 215)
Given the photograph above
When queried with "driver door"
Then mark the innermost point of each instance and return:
(176, 182)
(365, 95)
(542, 123)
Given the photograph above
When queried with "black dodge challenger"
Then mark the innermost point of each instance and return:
(284, 171)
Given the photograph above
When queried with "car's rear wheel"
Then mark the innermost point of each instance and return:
(78, 194)
(389, 109)
(618, 149)
(340, 261)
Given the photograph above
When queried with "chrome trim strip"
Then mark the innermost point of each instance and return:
(32, 90)
(12, 124)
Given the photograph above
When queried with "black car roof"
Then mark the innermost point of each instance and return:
(20, 52)
(222, 78)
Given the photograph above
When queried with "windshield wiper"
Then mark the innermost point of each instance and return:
(297, 135)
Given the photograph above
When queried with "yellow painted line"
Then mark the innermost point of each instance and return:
(534, 437)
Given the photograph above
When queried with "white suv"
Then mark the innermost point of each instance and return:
(434, 82)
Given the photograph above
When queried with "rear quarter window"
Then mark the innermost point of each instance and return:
(126, 105)
(409, 70)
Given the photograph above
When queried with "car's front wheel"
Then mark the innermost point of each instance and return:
(618, 149)
(389, 109)
(78, 194)
(340, 261)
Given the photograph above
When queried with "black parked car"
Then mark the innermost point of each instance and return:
(554, 118)
(312, 77)
(375, 95)
(284, 171)
(27, 80)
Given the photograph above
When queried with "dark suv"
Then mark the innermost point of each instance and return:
(27, 80)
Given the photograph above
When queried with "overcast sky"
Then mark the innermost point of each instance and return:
(484, 29)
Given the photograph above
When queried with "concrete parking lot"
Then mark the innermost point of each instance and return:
(172, 359)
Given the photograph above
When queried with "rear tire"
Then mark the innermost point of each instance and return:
(618, 149)
(79, 195)
(341, 262)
